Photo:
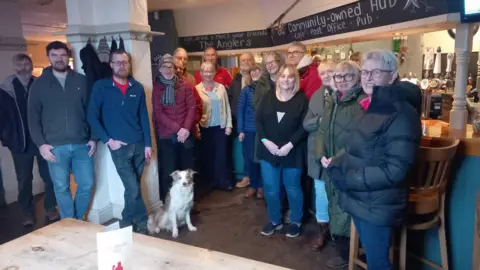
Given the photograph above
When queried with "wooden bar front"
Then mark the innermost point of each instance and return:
(461, 196)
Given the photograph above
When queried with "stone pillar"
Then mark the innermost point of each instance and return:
(11, 43)
(93, 20)
(463, 47)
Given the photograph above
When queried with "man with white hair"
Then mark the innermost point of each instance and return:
(247, 60)
(310, 82)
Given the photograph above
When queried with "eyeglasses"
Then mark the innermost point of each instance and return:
(269, 64)
(326, 72)
(296, 53)
(347, 77)
(121, 63)
(376, 73)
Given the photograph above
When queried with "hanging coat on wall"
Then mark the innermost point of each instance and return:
(92, 66)
(103, 50)
(122, 45)
(114, 46)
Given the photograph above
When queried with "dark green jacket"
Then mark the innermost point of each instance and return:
(263, 87)
(337, 121)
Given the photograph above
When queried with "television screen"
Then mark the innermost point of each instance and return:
(471, 11)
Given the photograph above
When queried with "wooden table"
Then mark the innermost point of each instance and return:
(71, 244)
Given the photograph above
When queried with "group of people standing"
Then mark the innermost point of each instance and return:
(352, 125)
(354, 130)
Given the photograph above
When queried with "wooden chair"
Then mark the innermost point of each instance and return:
(428, 181)
(354, 261)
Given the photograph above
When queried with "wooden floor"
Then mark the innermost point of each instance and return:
(227, 222)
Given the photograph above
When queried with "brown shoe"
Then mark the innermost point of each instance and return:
(320, 240)
(260, 193)
(28, 220)
(52, 215)
(250, 192)
(244, 183)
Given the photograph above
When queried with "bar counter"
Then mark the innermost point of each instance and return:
(460, 205)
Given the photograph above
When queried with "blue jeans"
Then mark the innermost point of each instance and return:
(321, 201)
(72, 158)
(272, 177)
(253, 168)
(129, 161)
(376, 241)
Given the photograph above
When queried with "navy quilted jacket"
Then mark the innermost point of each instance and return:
(370, 175)
(245, 113)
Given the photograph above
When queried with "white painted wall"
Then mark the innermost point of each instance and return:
(233, 16)
(244, 15)
(441, 38)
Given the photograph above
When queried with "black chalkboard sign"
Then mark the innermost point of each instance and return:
(356, 16)
(360, 15)
(228, 41)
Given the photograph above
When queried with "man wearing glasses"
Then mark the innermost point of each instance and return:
(118, 115)
(174, 110)
(310, 82)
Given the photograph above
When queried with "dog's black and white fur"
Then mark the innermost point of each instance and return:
(178, 204)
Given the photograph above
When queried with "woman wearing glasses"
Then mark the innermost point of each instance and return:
(341, 108)
(370, 174)
(272, 62)
(311, 124)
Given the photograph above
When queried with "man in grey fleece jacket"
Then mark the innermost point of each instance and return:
(57, 122)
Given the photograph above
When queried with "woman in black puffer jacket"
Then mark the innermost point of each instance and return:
(371, 173)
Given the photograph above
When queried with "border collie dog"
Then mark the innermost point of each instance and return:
(178, 204)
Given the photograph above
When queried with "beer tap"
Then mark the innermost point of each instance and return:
(449, 80)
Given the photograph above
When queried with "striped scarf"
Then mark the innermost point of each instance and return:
(168, 98)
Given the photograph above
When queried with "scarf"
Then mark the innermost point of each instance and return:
(365, 103)
(168, 98)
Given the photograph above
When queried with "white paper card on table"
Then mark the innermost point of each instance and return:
(114, 247)
(112, 227)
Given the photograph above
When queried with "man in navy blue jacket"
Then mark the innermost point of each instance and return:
(118, 115)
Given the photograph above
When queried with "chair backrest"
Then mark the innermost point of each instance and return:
(431, 171)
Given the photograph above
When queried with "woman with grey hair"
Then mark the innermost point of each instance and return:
(215, 127)
(311, 123)
(272, 62)
(370, 174)
(341, 109)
